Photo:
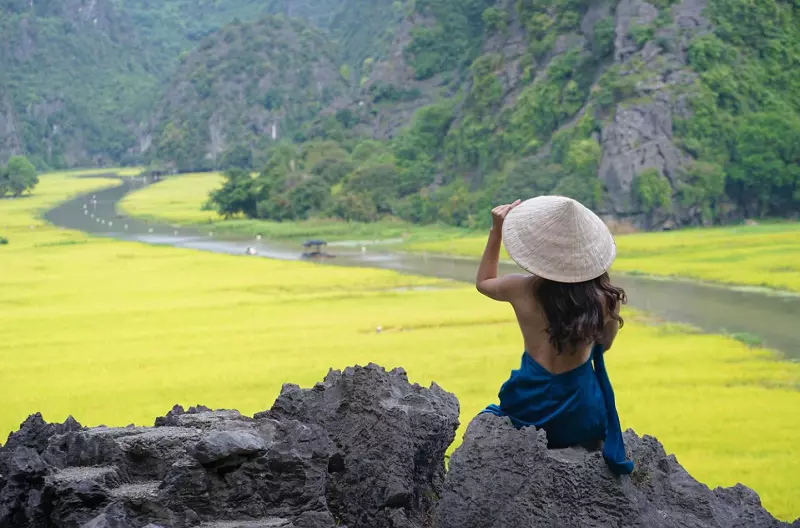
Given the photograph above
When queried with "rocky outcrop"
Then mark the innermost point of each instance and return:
(639, 135)
(393, 73)
(507, 478)
(364, 448)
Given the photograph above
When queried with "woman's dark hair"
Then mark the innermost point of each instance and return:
(576, 313)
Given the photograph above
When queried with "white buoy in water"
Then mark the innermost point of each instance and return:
(150, 230)
(110, 224)
(126, 226)
(85, 212)
(363, 249)
(258, 237)
(92, 215)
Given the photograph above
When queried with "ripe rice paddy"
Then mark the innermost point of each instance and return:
(761, 255)
(116, 332)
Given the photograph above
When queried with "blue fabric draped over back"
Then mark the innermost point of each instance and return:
(575, 407)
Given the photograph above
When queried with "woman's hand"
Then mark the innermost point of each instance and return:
(505, 288)
(499, 215)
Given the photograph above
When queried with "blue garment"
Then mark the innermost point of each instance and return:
(574, 408)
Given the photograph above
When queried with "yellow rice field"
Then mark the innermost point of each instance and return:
(176, 199)
(116, 332)
(762, 256)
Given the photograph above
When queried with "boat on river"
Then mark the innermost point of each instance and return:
(314, 250)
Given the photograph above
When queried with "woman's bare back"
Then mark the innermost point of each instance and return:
(533, 324)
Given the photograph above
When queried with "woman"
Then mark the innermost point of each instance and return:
(568, 313)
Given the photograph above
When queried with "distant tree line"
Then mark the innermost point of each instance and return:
(17, 177)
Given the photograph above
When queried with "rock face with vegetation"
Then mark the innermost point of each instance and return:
(663, 113)
(658, 113)
(246, 85)
(79, 78)
(362, 449)
(74, 82)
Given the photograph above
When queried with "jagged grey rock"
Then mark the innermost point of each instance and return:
(639, 134)
(364, 448)
(639, 137)
(501, 477)
(392, 438)
(630, 13)
(228, 446)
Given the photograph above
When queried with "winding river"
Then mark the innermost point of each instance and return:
(774, 318)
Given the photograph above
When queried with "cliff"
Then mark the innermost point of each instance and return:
(362, 449)
(74, 82)
(242, 85)
(660, 114)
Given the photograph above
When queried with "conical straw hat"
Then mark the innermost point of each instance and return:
(559, 239)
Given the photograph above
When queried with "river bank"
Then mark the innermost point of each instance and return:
(760, 256)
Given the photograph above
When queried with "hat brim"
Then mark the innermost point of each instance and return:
(558, 239)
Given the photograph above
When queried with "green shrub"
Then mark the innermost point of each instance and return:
(495, 19)
(641, 34)
(603, 41)
(652, 191)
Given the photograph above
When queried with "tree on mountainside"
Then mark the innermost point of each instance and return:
(237, 157)
(701, 190)
(652, 192)
(17, 177)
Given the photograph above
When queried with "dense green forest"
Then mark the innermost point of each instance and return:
(241, 85)
(656, 113)
(74, 82)
(79, 81)
(738, 137)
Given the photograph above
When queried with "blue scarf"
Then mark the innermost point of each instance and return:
(574, 407)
